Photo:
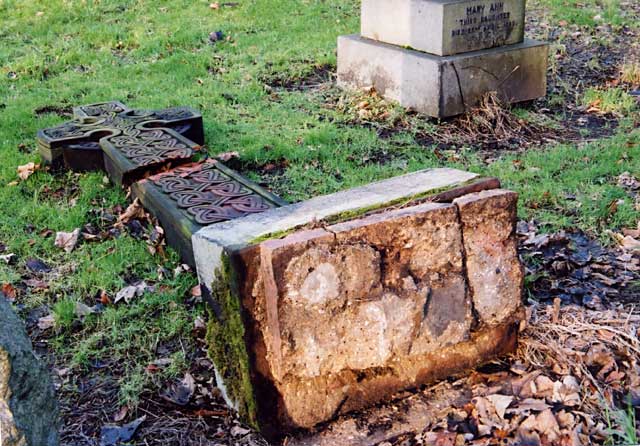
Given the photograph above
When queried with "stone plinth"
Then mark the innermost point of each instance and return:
(378, 296)
(444, 27)
(443, 86)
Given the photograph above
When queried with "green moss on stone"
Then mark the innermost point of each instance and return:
(227, 348)
(356, 213)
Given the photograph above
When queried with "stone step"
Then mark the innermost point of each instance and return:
(334, 304)
(443, 86)
(444, 27)
(190, 197)
(169, 135)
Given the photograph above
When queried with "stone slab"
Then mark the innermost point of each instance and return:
(192, 196)
(210, 242)
(444, 27)
(341, 317)
(314, 320)
(443, 86)
(77, 143)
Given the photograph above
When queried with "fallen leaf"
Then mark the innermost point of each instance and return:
(104, 298)
(38, 266)
(112, 435)
(83, 310)
(567, 392)
(529, 405)
(134, 211)
(67, 240)
(26, 170)
(180, 393)
(9, 291)
(501, 403)
(8, 258)
(226, 156)
(46, 322)
(199, 323)
(121, 414)
(131, 291)
(36, 284)
(238, 431)
(547, 425)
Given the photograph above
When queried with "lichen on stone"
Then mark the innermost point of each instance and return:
(227, 347)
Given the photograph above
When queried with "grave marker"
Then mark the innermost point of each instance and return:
(190, 197)
(328, 305)
(126, 142)
(331, 305)
(440, 57)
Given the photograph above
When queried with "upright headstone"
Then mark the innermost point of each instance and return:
(440, 57)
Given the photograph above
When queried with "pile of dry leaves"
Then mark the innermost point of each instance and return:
(574, 381)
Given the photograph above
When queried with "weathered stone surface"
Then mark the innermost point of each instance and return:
(347, 313)
(494, 271)
(443, 86)
(444, 27)
(28, 411)
(210, 243)
(312, 322)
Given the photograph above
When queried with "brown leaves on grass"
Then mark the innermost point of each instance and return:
(133, 211)
(67, 240)
(26, 170)
(8, 291)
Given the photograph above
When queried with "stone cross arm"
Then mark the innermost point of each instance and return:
(142, 137)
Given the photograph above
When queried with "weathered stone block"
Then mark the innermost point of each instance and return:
(443, 86)
(28, 408)
(210, 242)
(494, 271)
(311, 323)
(444, 27)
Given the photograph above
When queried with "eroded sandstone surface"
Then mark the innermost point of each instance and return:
(340, 317)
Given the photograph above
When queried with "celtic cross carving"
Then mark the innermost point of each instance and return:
(133, 141)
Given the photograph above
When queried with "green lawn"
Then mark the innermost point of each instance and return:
(56, 54)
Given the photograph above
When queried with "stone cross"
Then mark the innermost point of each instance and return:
(193, 196)
(123, 141)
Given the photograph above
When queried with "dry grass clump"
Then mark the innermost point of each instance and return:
(630, 73)
(492, 121)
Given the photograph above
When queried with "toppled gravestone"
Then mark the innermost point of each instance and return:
(334, 304)
(28, 410)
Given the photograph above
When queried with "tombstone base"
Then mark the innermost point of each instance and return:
(331, 305)
(443, 86)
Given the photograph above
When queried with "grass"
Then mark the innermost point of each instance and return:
(57, 54)
(610, 100)
(586, 12)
